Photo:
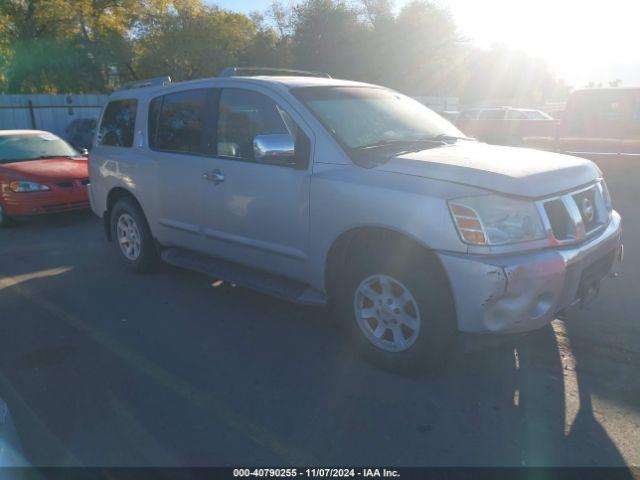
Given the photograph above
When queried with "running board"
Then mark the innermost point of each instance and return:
(246, 277)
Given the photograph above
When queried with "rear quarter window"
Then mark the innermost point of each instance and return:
(118, 123)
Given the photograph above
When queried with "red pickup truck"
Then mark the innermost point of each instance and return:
(597, 123)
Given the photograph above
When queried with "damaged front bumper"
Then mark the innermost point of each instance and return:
(522, 292)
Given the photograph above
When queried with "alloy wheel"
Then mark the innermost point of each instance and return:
(129, 237)
(387, 313)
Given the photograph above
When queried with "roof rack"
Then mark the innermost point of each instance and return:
(149, 82)
(247, 71)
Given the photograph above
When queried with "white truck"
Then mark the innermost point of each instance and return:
(324, 191)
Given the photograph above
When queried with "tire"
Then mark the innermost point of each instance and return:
(430, 306)
(5, 220)
(132, 237)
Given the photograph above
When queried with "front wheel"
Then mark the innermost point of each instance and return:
(132, 236)
(400, 315)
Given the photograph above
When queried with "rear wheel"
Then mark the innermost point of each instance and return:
(132, 237)
(400, 315)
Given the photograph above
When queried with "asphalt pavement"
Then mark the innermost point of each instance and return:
(103, 367)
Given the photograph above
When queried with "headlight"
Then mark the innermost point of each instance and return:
(496, 220)
(24, 187)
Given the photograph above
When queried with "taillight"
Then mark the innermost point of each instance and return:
(469, 224)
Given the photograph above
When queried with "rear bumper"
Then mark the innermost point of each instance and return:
(39, 203)
(520, 293)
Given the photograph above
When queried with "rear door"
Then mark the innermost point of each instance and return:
(178, 126)
(118, 158)
(265, 218)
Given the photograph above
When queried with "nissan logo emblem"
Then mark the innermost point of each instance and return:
(588, 210)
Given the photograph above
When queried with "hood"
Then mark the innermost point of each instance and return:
(51, 169)
(509, 170)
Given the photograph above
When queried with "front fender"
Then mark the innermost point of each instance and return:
(346, 197)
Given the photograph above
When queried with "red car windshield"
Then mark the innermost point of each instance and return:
(33, 146)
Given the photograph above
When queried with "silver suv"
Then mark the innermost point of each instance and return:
(319, 191)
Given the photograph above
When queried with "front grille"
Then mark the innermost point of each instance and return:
(73, 183)
(561, 224)
(588, 204)
(576, 215)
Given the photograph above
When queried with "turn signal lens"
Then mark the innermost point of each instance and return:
(469, 224)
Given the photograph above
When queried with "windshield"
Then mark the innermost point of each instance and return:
(30, 146)
(361, 117)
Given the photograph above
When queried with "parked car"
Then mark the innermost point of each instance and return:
(80, 133)
(598, 123)
(505, 125)
(451, 115)
(319, 190)
(40, 173)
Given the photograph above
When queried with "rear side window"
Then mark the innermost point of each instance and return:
(492, 115)
(118, 123)
(516, 115)
(178, 121)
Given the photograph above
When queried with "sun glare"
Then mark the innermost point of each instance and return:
(580, 40)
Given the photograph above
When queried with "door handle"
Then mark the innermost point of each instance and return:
(215, 176)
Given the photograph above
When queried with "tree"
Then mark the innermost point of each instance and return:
(193, 41)
(418, 53)
(506, 76)
(328, 36)
(67, 45)
(92, 45)
(377, 12)
(266, 47)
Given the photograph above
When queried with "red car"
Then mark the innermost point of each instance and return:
(40, 173)
(505, 125)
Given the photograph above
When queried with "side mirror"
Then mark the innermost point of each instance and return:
(277, 149)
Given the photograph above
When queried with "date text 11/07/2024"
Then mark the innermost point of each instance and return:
(316, 472)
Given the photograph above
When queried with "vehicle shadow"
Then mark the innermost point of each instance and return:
(176, 372)
(55, 220)
(544, 402)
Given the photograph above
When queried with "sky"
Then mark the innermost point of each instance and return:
(581, 40)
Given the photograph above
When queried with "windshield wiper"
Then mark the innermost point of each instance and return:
(444, 138)
(44, 157)
(418, 142)
(407, 143)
